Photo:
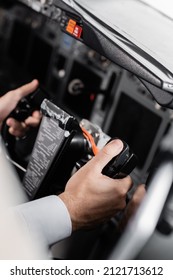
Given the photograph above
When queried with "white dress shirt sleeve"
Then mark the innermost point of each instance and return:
(47, 219)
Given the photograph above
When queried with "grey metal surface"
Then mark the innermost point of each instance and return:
(146, 27)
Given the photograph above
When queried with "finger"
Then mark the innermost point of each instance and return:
(11, 98)
(23, 90)
(34, 120)
(12, 123)
(126, 182)
(136, 200)
(18, 132)
(132, 206)
(111, 150)
(16, 128)
(37, 114)
(138, 196)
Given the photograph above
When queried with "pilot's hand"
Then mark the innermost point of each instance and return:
(9, 101)
(19, 129)
(91, 197)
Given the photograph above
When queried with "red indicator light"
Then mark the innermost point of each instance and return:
(77, 31)
(92, 97)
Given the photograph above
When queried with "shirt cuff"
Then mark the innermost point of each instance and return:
(47, 218)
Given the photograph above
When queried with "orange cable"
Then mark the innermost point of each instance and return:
(89, 137)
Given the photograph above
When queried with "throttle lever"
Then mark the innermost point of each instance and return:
(121, 165)
(28, 104)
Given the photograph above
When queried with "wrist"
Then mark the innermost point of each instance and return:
(69, 203)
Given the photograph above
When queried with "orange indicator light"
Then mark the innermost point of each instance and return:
(71, 26)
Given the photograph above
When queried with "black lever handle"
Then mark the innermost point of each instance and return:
(121, 165)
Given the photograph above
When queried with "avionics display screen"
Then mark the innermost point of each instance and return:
(135, 124)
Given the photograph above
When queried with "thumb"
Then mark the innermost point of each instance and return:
(25, 89)
(16, 95)
(11, 98)
(111, 150)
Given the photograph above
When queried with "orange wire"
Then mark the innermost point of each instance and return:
(91, 140)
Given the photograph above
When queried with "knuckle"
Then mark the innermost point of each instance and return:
(138, 197)
(135, 200)
(122, 204)
(130, 181)
(122, 192)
